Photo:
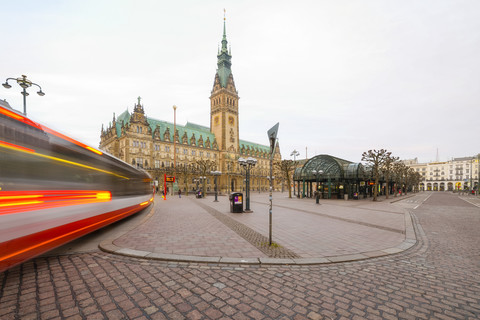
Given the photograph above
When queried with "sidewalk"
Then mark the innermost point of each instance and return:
(201, 230)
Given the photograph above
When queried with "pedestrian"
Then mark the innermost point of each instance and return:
(179, 193)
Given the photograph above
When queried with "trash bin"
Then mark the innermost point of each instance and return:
(345, 196)
(236, 202)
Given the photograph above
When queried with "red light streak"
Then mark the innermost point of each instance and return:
(19, 117)
(46, 129)
(21, 201)
(31, 245)
(14, 146)
(23, 149)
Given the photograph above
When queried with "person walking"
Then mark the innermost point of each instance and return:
(179, 193)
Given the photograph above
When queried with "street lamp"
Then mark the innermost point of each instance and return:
(295, 154)
(174, 136)
(316, 173)
(24, 83)
(247, 164)
(478, 174)
(216, 174)
(203, 180)
(196, 181)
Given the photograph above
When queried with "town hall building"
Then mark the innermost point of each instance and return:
(161, 147)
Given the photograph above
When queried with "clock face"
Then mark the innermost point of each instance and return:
(231, 120)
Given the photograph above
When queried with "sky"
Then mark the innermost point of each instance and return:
(341, 77)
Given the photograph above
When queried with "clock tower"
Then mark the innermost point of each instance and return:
(224, 103)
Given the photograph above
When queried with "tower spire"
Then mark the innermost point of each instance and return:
(224, 38)
(224, 25)
(224, 57)
(224, 101)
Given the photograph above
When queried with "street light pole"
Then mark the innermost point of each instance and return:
(196, 182)
(272, 138)
(174, 144)
(295, 154)
(247, 164)
(216, 174)
(478, 174)
(203, 179)
(24, 83)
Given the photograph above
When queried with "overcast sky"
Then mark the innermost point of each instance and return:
(340, 77)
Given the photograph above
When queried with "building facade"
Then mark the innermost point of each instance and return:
(191, 151)
(456, 174)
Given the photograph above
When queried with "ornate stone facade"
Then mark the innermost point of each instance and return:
(154, 146)
(455, 174)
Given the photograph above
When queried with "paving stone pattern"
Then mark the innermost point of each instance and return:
(439, 278)
(255, 238)
(326, 230)
(175, 229)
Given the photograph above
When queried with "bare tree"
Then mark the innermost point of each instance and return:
(204, 169)
(398, 170)
(415, 180)
(409, 177)
(160, 173)
(186, 171)
(387, 169)
(376, 159)
(285, 168)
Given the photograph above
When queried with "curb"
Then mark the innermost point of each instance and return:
(410, 240)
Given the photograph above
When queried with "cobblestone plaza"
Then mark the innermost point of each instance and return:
(436, 278)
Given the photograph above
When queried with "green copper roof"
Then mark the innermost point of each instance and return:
(197, 127)
(224, 62)
(253, 146)
(190, 129)
(124, 117)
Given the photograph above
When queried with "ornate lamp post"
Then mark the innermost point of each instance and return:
(196, 182)
(24, 83)
(203, 180)
(174, 136)
(174, 144)
(478, 174)
(216, 174)
(295, 154)
(247, 164)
